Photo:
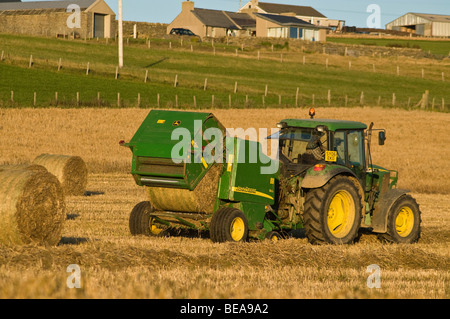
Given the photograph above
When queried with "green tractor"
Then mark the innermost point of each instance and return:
(324, 185)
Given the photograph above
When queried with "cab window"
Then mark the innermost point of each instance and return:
(351, 143)
(355, 142)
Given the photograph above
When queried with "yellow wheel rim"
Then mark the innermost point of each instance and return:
(404, 222)
(155, 230)
(341, 214)
(237, 229)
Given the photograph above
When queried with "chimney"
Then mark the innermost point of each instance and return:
(187, 6)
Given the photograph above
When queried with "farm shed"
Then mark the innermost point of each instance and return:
(212, 23)
(58, 18)
(429, 25)
(305, 13)
(282, 26)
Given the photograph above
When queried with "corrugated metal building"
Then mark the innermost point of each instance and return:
(429, 25)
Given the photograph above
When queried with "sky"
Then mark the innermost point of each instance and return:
(354, 12)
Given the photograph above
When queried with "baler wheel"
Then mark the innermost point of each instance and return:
(274, 236)
(142, 222)
(228, 225)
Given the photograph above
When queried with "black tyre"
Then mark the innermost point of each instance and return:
(274, 236)
(403, 224)
(333, 212)
(142, 222)
(228, 225)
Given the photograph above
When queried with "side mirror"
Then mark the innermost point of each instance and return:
(381, 137)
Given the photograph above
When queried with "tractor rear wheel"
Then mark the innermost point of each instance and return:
(228, 225)
(142, 222)
(403, 224)
(333, 212)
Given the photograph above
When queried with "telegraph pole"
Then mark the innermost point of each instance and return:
(120, 34)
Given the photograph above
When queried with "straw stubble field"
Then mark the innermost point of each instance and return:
(116, 265)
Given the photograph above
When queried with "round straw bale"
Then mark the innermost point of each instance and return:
(200, 200)
(71, 171)
(32, 208)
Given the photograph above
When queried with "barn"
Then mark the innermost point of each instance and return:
(428, 25)
(78, 18)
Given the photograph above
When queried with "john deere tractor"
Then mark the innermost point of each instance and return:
(325, 182)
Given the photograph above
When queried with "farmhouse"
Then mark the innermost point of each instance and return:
(79, 18)
(212, 23)
(429, 25)
(283, 26)
(251, 22)
(307, 14)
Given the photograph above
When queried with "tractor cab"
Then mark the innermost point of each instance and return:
(306, 143)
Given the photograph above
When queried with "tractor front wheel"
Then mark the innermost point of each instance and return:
(403, 224)
(333, 212)
(228, 225)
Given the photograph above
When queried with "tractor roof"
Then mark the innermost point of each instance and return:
(333, 125)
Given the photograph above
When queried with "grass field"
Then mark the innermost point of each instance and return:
(222, 71)
(116, 265)
(441, 48)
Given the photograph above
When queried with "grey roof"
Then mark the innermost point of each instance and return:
(243, 20)
(434, 17)
(286, 20)
(286, 8)
(42, 5)
(223, 19)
